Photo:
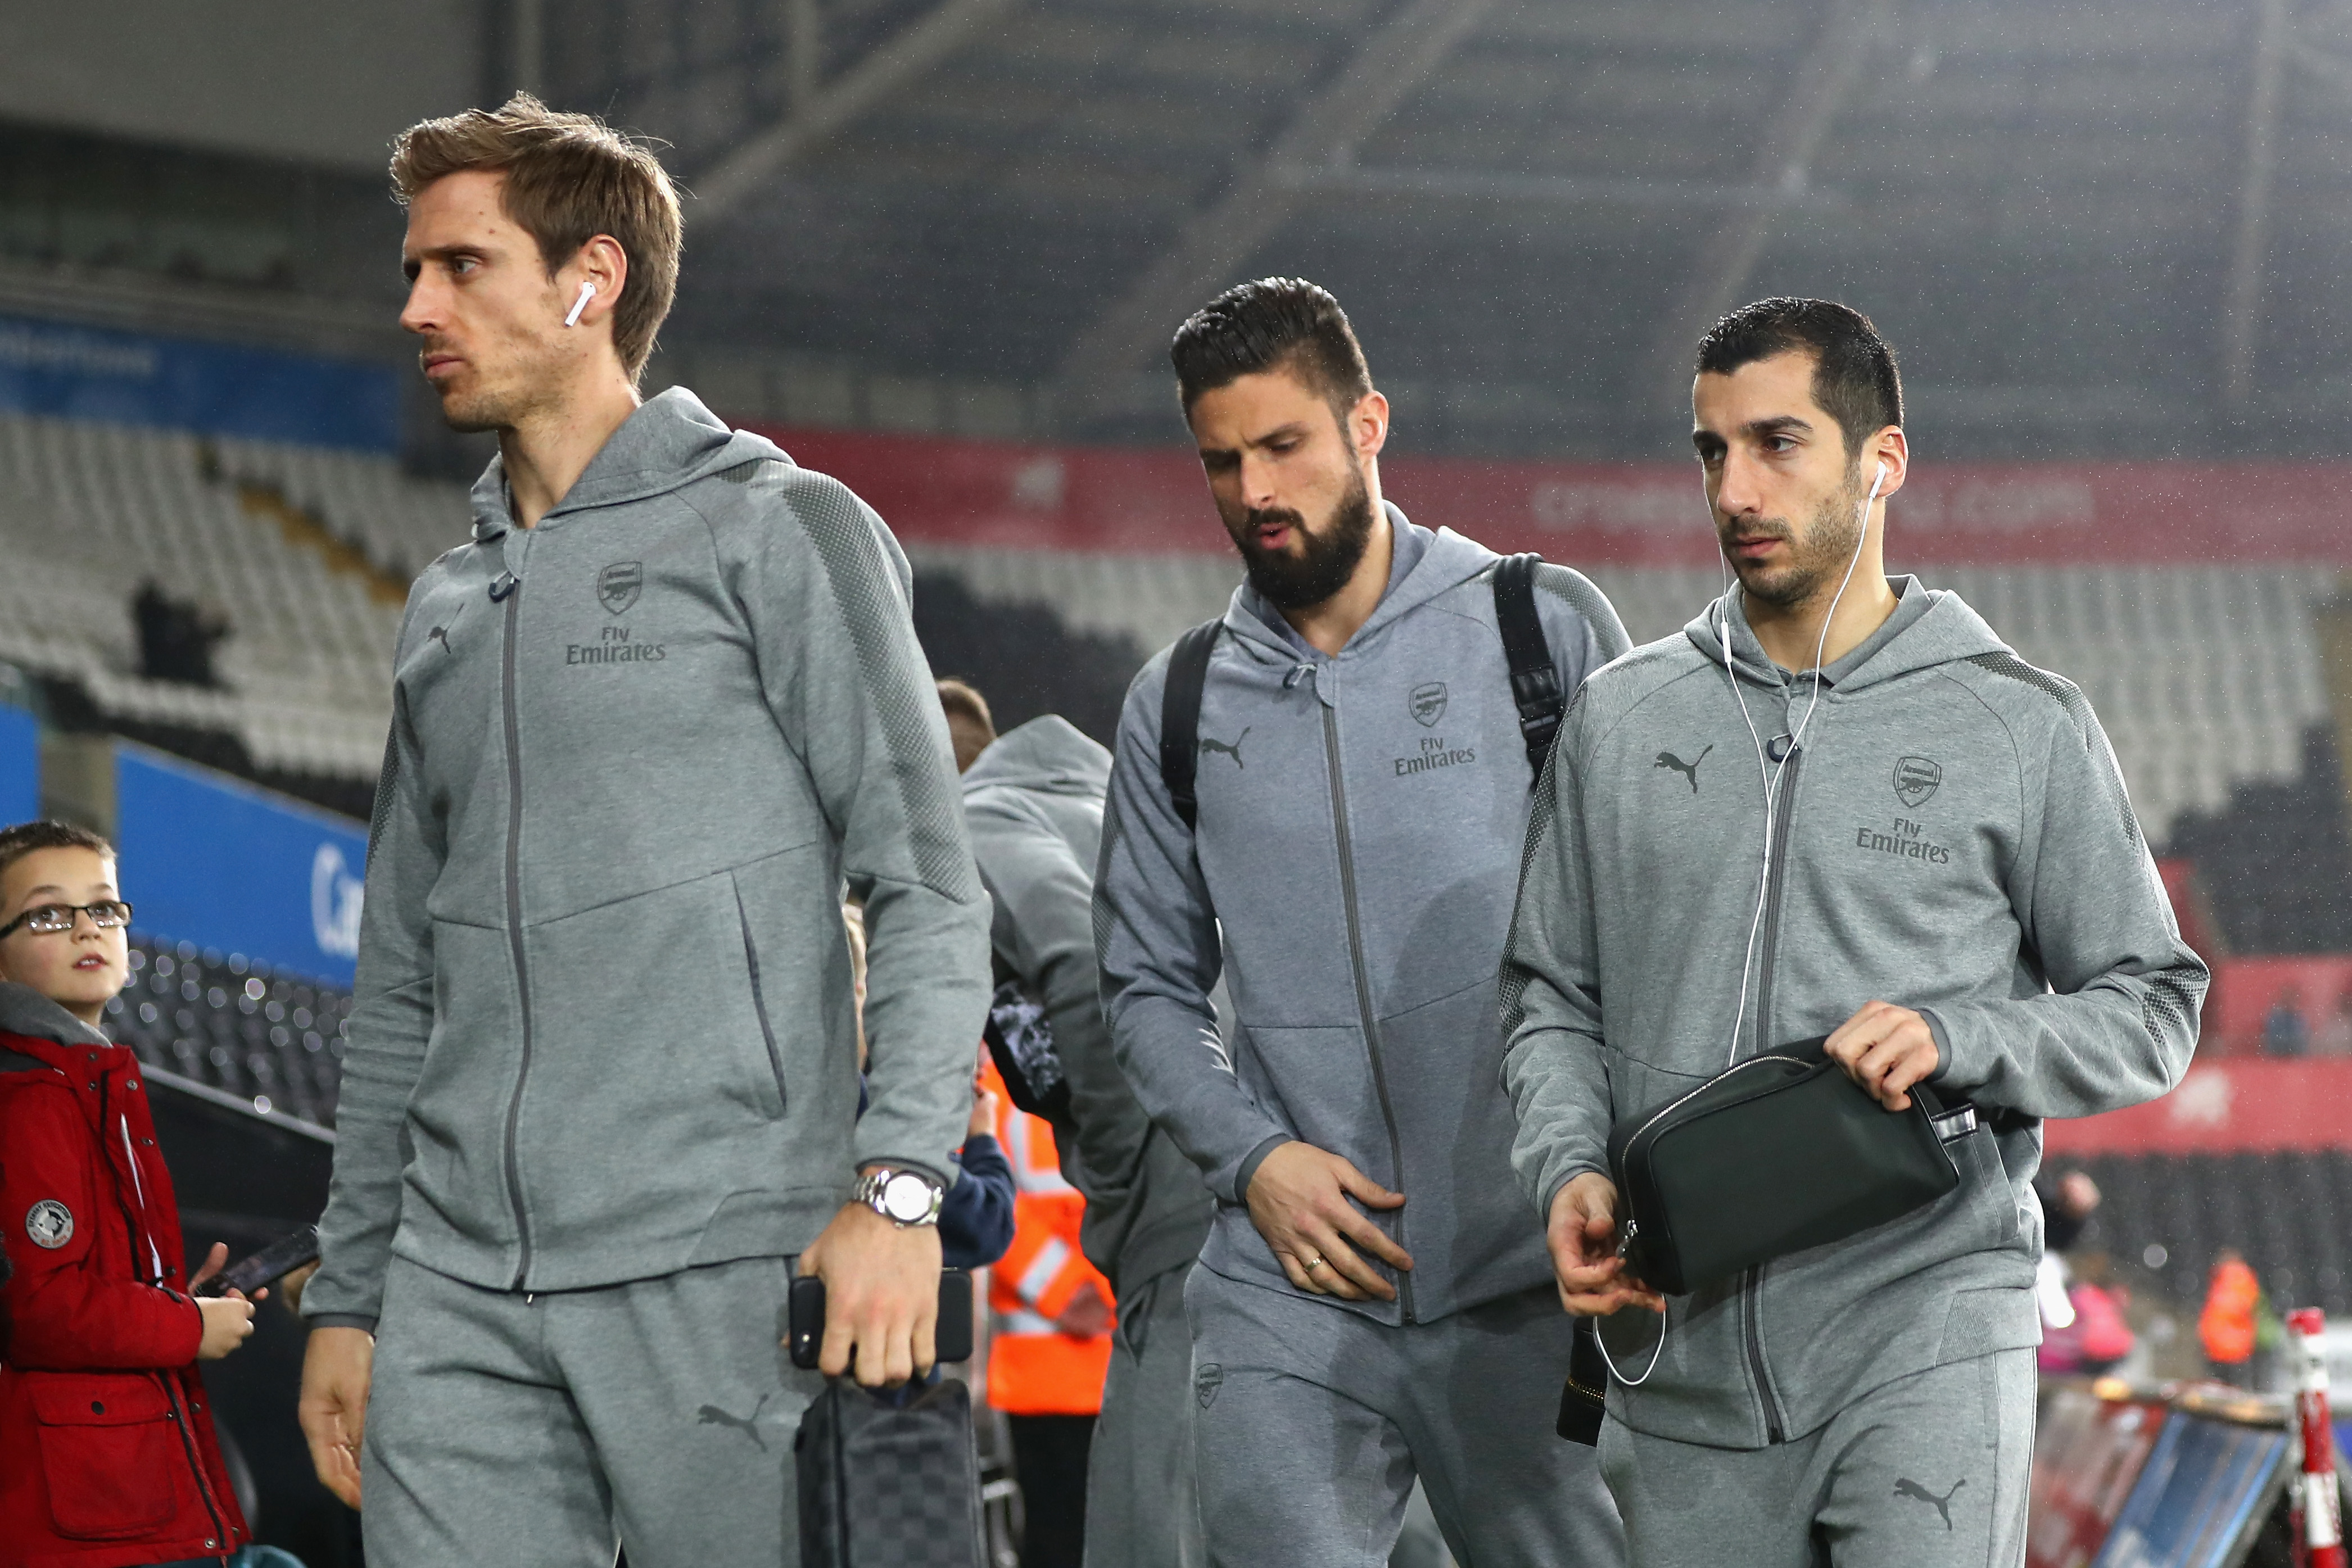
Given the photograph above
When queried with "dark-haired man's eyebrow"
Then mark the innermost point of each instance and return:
(1778, 424)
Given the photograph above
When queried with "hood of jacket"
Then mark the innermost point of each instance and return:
(1929, 627)
(29, 1015)
(1049, 755)
(669, 443)
(1448, 560)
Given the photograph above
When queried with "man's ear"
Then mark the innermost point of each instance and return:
(1890, 447)
(602, 262)
(1368, 424)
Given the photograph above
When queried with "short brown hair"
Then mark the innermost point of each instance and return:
(569, 178)
(1275, 323)
(25, 838)
(970, 726)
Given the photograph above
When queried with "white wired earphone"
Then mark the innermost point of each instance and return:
(587, 292)
(1771, 777)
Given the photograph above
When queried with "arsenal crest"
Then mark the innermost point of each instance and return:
(618, 585)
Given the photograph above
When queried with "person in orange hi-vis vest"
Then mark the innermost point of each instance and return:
(1051, 1347)
(2227, 1323)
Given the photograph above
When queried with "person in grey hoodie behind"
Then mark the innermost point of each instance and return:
(1372, 1303)
(1948, 881)
(601, 1083)
(1033, 800)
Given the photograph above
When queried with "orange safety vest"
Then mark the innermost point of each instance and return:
(1034, 1368)
(2227, 1323)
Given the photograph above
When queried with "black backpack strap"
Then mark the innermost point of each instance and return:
(1535, 679)
(1180, 717)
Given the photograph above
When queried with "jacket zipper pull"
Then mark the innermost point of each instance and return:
(504, 584)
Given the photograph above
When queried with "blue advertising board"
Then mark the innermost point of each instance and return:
(210, 860)
(181, 383)
(2197, 1497)
(20, 765)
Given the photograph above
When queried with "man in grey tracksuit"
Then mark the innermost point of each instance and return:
(601, 1083)
(1034, 801)
(1952, 882)
(1361, 811)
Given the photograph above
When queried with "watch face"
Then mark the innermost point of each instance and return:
(907, 1197)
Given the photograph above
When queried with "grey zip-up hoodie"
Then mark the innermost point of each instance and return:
(1359, 825)
(1953, 837)
(1034, 801)
(604, 1027)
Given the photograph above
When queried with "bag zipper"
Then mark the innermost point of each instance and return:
(1363, 985)
(514, 931)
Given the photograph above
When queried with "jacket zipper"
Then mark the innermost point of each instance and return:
(514, 931)
(759, 1003)
(195, 1462)
(165, 1380)
(1776, 885)
(1776, 882)
(1363, 985)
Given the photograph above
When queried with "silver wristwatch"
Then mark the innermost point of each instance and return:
(902, 1197)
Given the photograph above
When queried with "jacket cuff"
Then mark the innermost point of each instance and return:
(1247, 1169)
(341, 1321)
(1943, 1045)
(1561, 1180)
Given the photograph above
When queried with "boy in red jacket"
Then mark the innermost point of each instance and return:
(107, 1453)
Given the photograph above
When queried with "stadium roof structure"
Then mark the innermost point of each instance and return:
(2089, 225)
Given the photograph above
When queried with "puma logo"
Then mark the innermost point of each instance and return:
(1942, 1505)
(1687, 769)
(440, 634)
(711, 1416)
(1233, 750)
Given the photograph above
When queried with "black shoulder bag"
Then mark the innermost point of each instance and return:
(1778, 1153)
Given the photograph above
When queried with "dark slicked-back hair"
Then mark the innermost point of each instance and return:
(1275, 323)
(22, 840)
(1855, 377)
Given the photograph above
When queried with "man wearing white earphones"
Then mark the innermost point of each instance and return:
(601, 1097)
(1834, 804)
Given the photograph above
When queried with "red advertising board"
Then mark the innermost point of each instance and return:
(2242, 1104)
(2087, 1452)
(1017, 495)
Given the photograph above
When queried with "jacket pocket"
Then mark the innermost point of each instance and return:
(109, 1452)
(760, 1000)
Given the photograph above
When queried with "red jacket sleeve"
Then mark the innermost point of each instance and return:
(75, 1307)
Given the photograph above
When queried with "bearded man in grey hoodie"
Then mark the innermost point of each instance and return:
(1834, 804)
(1372, 1303)
(602, 1081)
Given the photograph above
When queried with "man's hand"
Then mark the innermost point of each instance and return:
(228, 1323)
(881, 1296)
(1582, 1235)
(1299, 1201)
(1086, 1314)
(1885, 1049)
(333, 1407)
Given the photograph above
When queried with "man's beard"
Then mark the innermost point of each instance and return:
(1818, 561)
(1323, 562)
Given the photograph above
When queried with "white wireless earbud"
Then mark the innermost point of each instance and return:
(588, 292)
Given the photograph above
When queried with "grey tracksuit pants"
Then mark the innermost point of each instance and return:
(1930, 1471)
(1143, 1508)
(1312, 1422)
(535, 1432)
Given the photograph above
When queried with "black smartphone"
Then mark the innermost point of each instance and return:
(267, 1266)
(952, 1338)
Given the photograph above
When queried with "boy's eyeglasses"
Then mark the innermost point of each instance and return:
(49, 919)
